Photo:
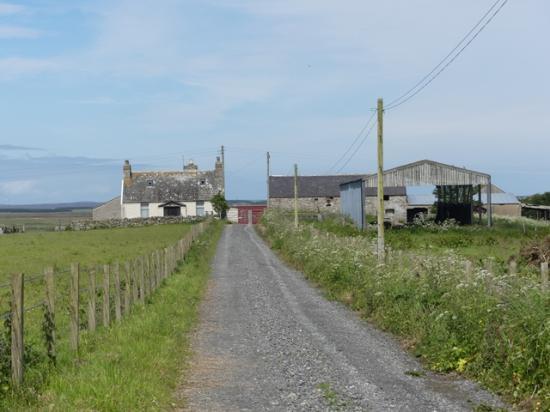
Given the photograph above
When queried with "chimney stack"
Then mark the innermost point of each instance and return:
(127, 171)
(191, 169)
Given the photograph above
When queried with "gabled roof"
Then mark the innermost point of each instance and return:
(160, 187)
(308, 186)
(430, 173)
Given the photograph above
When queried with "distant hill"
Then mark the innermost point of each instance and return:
(48, 207)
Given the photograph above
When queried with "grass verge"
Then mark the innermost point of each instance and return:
(490, 327)
(134, 365)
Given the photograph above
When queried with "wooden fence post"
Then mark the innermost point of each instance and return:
(74, 305)
(50, 308)
(134, 276)
(118, 311)
(141, 281)
(147, 278)
(468, 267)
(159, 268)
(106, 296)
(127, 286)
(92, 297)
(544, 275)
(166, 264)
(513, 268)
(153, 271)
(17, 349)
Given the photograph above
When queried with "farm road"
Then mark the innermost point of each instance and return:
(268, 341)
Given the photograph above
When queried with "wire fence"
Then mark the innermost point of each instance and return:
(80, 299)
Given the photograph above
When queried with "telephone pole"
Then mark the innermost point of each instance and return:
(223, 168)
(268, 174)
(381, 210)
(295, 195)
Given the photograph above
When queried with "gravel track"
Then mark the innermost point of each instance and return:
(268, 341)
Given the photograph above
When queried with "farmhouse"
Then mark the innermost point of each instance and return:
(184, 193)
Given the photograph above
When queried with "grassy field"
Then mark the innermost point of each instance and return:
(134, 365)
(43, 221)
(30, 253)
(490, 326)
(501, 243)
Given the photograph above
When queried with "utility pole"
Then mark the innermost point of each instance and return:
(268, 174)
(295, 195)
(381, 210)
(223, 169)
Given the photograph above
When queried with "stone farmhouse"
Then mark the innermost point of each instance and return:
(185, 193)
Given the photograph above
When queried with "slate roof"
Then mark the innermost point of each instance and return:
(160, 187)
(308, 186)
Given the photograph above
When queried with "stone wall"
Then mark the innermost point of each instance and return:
(397, 204)
(118, 223)
(308, 204)
(327, 205)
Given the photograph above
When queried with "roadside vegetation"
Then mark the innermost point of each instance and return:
(487, 325)
(133, 365)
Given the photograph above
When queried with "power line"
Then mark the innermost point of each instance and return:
(422, 83)
(358, 147)
(353, 143)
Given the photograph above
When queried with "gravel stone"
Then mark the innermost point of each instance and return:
(269, 341)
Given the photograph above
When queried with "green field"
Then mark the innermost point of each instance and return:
(30, 253)
(501, 243)
(43, 221)
(135, 365)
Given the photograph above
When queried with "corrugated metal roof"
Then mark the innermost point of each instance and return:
(496, 198)
(429, 172)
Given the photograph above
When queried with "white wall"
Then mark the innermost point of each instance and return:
(133, 210)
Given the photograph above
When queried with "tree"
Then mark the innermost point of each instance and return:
(220, 205)
(541, 199)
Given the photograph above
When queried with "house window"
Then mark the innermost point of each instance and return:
(150, 183)
(390, 211)
(386, 197)
(203, 182)
(145, 210)
(200, 208)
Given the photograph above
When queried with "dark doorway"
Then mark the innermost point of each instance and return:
(415, 213)
(454, 202)
(172, 211)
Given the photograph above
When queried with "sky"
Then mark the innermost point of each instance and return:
(85, 85)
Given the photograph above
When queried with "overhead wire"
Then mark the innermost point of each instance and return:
(358, 148)
(442, 66)
(353, 143)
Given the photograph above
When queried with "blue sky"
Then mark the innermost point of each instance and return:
(87, 84)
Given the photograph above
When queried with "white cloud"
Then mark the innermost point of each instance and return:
(17, 32)
(17, 187)
(8, 8)
(11, 67)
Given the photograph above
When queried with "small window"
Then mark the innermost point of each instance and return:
(200, 208)
(390, 211)
(386, 197)
(150, 183)
(144, 209)
(315, 199)
(203, 182)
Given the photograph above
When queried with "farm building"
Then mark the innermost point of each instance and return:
(184, 193)
(315, 193)
(456, 190)
(321, 194)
